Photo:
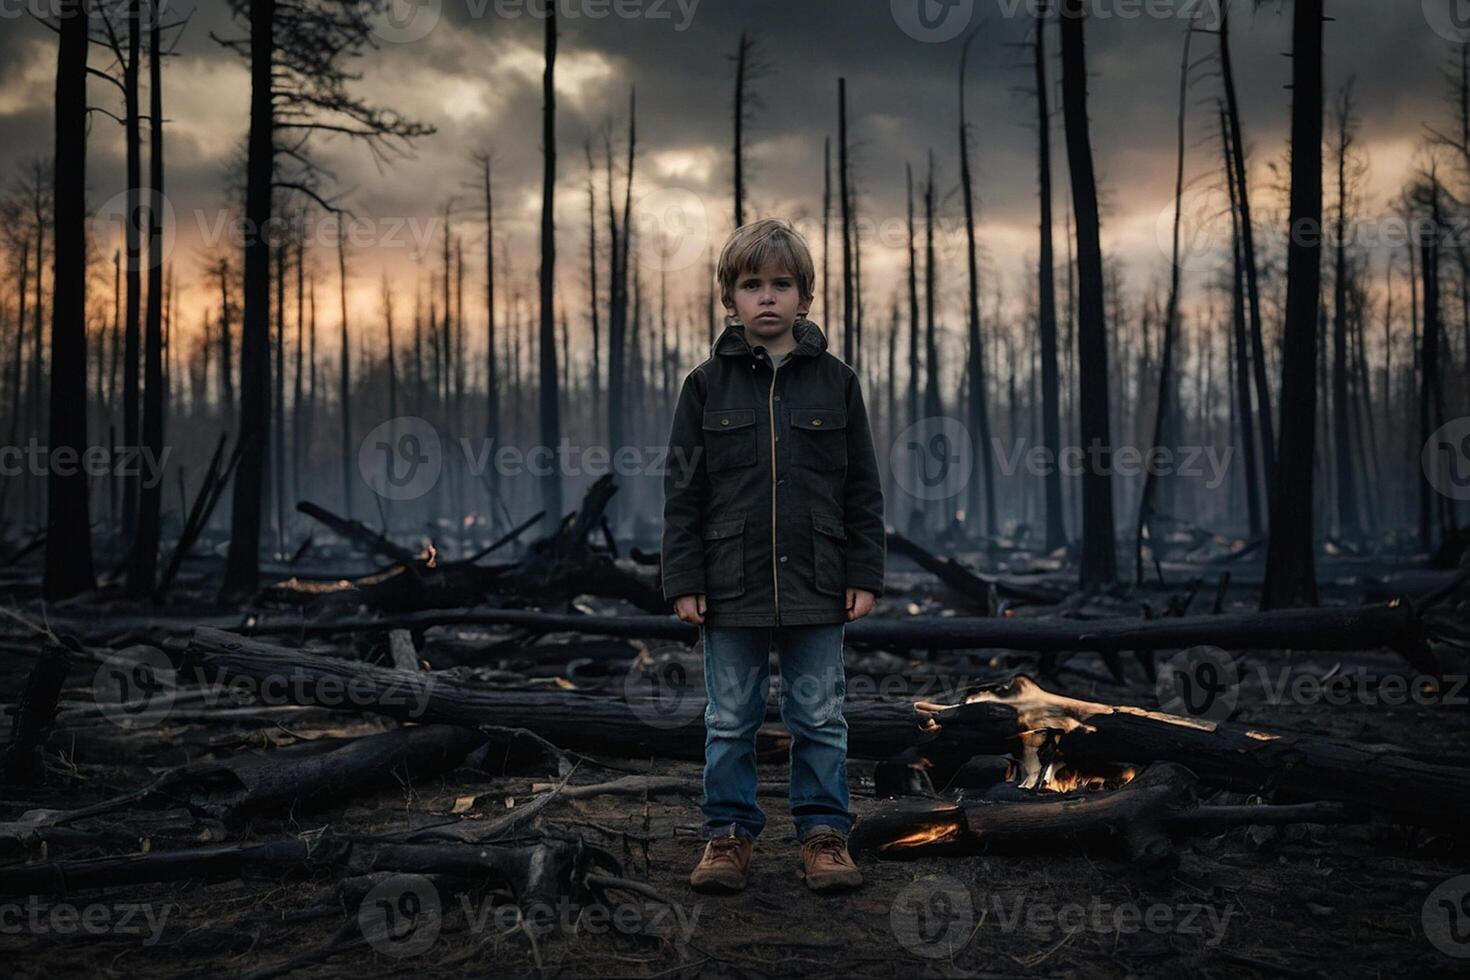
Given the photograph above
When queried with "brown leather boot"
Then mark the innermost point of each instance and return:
(826, 863)
(725, 865)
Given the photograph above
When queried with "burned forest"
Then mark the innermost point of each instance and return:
(343, 349)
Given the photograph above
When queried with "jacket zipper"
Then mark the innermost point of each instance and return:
(771, 409)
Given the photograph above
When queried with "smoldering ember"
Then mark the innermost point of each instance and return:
(920, 488)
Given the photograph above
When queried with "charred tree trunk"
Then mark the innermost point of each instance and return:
(742, 52)
(242, 568)
(1242, 355)
(933, 401)
(68, 530)
(594, 374)
(1248, 244)
(298, 394)
(1290, 551)
(979, 412)
(492, 367)
(1429, 252)
(1347, 504)
(1046, 308)
(826, 229)
(226, 344)
(1099, 559)
(278, 394)
(845, 202)
(1164, 410)
(344, 377)
(549, 406)
(133, 241)
(143, 561)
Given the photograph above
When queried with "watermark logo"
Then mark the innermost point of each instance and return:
(933, 917)
(402, 458)
(401, 916)
(135, 688)
(406, 21)
(1445, 459)
(673, 229)
(1450, 19)
(1446, 917)
(932, 21)
(1205, 233)
(661, 696)
(111, 222)
(1201, 682)
(933, 458)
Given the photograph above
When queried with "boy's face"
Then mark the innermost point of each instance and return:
(768, 302)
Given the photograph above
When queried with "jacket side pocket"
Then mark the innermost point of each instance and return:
(724, 558)
(829, 554)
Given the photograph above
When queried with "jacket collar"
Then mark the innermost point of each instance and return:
(810, 341)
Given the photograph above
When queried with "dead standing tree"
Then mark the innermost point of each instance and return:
(1290, 550)
(979, 392)
(1164, 413)
(68, 531)
(748, 66)
(297, 51)
(549, 406)
(1349, 526)
(1099, 558)
(617, 321)
(1248, 250)
(1046, 308)
(143, 557)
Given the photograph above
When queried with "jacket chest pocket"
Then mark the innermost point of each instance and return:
(729, 438)
(819, 438)
(724, 558)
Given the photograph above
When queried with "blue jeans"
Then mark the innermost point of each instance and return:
(737, 681)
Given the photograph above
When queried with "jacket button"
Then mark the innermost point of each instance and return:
(783, 557)
(724, 421)
(816, 421)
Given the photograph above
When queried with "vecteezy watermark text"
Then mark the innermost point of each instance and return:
(935, 917)
(37, 918)
(37, 459)
(1207, 462)
(403, 915)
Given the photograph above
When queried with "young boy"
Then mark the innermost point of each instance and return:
(773, 532)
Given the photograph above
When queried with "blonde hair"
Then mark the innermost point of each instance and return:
(753, 245)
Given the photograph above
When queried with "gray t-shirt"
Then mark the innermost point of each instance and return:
(778, 359)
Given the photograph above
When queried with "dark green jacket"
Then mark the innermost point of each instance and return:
(773, 502)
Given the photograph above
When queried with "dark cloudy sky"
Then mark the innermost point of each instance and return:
(472, 68)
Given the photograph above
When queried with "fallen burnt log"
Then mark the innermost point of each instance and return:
(556, 567)
(1141, 815)
(1042, 728)
(1396, 625)
(975, 591)
(323, 771)
(669, 727)
(1021, 719)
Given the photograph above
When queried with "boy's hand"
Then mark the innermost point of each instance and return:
(690, 608)
(860, 602)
